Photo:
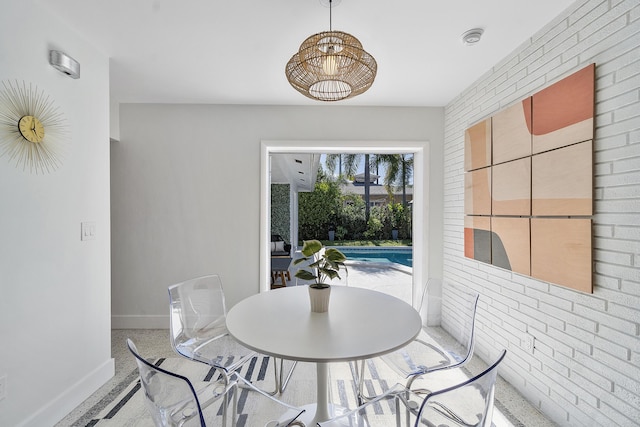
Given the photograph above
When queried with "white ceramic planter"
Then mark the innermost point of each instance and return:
(319, 299)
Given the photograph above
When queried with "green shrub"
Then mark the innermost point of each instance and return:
(351, 217)
(374, 229)
(318, 210)
(326, 208)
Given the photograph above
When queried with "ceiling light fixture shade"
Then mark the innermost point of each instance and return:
(331, 66)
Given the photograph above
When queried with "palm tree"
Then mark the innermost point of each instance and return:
(399, 170)
(367, 184)
(350, 163)
(346, 162)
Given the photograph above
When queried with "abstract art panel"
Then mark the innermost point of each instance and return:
(511, 188)
(563, 113)
(477, 238)
(477, 145)
(510, 240)
(512, 132)
(561, 181)
(529, 184)
(477, 193)
(561, 252)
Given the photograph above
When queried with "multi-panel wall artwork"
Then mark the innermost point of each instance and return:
(529, 184)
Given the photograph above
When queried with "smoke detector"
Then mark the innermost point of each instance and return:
(472, 36)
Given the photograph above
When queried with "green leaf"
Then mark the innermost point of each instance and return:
(305, 275)
(334, 255)
(299, 260)
(331, 274)
(311, 247)
(316, 264)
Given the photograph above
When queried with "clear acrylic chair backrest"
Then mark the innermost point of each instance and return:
(197, 312)
(443, 345)
(254, 407)
(461, 304)
(169, 397)
(384, 410)
(424, 308)
(469, 403)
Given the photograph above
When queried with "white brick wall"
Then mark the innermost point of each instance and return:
(585, 369)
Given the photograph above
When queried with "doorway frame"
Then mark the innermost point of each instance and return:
(420, 231)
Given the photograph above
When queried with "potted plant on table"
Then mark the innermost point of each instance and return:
(324, 266)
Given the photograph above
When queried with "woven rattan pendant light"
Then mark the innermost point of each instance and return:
(331, 66)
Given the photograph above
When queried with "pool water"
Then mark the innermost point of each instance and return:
(402, 256)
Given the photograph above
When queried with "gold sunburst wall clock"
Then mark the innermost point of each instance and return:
(32, 129)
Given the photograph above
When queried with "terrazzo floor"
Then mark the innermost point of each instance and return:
(511, 403)
(156, 342)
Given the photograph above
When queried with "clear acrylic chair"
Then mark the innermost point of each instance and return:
(469, 403)
(173, 400)
(198, 329)
(434, 349)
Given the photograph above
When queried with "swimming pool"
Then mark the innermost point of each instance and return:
(400, 255)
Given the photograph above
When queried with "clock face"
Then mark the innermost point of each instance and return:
(31, 129)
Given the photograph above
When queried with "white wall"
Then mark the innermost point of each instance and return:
(186, 190)
(585, 368)
(55, 305)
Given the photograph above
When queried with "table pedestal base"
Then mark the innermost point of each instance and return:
(310, 418)
(322, 393)
(323, 410)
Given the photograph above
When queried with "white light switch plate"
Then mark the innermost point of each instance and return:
(88, 230)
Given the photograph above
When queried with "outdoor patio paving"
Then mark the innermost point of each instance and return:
(393, 279)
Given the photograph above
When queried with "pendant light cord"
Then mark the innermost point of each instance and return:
(330, 24)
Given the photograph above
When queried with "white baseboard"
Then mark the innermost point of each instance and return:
(140, 322)
(69, 399)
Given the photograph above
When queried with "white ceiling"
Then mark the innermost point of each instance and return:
(235, 51)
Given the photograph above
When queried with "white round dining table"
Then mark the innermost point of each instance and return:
(360, 324)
